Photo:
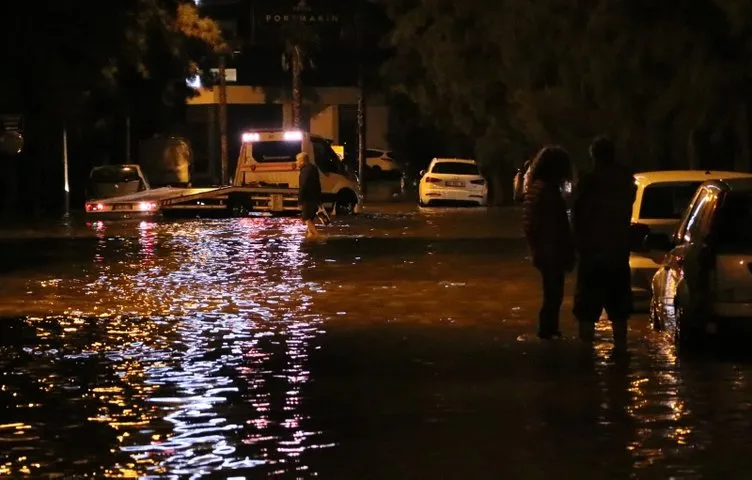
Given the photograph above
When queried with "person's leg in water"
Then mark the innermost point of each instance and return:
(553, 294)
(588, 297)
(308, 213)
(618, 301)
(311, 231)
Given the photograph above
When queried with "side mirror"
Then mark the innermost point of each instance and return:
(658, 241)
(421, 173)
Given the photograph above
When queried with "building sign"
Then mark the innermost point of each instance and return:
(326, 17)
(302, 12)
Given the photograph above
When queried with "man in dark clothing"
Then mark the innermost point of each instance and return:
(309, 194)
(601, 217)
(546, 227)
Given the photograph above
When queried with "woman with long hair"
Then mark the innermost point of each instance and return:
(548, 233)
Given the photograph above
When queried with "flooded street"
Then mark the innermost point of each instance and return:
(403, 348)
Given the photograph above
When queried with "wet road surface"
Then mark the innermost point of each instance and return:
(402, 348)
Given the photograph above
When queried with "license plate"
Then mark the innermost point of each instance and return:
(121, 206)
(455, 184)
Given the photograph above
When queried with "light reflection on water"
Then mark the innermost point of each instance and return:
(191, 350)
(651, 399)
(180, 350)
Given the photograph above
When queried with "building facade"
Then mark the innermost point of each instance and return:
(259, 85)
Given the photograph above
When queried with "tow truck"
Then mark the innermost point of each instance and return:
(265, 180)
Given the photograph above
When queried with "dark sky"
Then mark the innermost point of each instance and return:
(257, 27)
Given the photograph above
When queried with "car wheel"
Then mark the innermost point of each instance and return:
(345, 203)
(655, 319)
(687, 337)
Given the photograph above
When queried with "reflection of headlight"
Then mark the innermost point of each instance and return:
(566, 187)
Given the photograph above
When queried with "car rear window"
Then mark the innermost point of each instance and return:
(275, 151)
(114, 175)
(735, 222)
(455, 168)
(667, 200)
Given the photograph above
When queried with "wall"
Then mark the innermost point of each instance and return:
(377, 127)
(254, 107)
(325, 122)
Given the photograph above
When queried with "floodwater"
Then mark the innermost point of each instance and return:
(401, 349)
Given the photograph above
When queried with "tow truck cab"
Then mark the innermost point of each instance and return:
(267, 159)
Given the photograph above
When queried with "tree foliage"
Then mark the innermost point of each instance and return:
(62, 56)
(666, 79)
(85, 65)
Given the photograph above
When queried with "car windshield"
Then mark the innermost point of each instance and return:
(735, 222)
(667, 201)
(275, 151)
(114, 175)
(455, 168)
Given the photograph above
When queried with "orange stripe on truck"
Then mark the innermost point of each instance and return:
(283, 167)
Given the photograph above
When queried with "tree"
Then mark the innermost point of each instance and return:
(364, 31)
(299, 40)
(86, 62)
(665, 80)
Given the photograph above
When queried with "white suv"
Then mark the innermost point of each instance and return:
(452, 180)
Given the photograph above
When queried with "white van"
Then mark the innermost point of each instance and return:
(267, 159)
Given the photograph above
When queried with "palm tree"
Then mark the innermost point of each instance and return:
(300, 41)
(361, 117)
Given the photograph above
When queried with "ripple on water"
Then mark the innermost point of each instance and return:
(185, 348)
(169, 336)
(184, 396)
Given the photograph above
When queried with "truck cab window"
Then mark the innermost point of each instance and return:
(326, 159)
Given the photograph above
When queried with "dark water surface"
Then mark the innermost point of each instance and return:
(402, 348)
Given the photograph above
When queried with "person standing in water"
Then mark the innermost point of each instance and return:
(602, 217)
(309, 194)
(546, 227)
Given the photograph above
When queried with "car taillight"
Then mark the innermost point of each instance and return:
(147, 206)
(94, 207)
(478, 182)
(432, 180)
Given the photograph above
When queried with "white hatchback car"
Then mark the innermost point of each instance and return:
(705, 280)
(662, 197)
(452, 180)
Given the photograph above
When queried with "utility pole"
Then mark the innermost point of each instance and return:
(66, 185)
(128, 139)
(223, 120)
(361, 100)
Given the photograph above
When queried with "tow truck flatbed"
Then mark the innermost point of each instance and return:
(224, 201)
(266, 180)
